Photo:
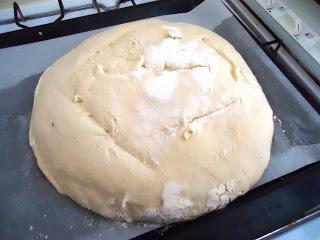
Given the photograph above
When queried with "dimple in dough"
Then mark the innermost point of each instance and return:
(151, 121)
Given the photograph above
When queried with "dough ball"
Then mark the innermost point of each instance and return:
(151, 121)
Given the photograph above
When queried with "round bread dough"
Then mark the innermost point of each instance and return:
(151, 121)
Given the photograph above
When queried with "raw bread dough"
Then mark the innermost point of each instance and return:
(151, 121)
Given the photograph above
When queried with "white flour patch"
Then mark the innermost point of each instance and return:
(219, 196)
(176, 54)
(174, 206)
(173, 62)
(177, 78)
(161, 87)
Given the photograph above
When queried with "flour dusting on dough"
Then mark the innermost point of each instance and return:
(219, 196)
(174, 206)
(161, 87)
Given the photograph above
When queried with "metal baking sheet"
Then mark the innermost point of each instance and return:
(30, 208)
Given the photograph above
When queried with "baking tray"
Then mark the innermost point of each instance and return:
(30, 208)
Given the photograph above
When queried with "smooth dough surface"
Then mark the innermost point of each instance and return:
(151, 121)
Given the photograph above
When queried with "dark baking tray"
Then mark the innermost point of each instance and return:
(30, 208)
